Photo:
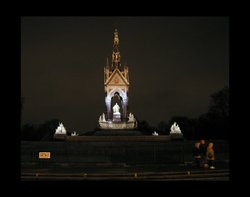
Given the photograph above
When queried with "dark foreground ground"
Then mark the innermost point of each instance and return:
(65, 171)
(111, 159)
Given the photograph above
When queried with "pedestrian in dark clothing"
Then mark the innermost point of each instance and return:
(197, 156)
(203, 151)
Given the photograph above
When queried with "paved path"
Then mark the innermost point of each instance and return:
(120, 171)
(214, 175)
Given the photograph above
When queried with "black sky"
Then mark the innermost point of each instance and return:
(175, 64)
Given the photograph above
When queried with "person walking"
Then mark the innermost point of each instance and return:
(203, 149)
(210, 155)
(197, 156)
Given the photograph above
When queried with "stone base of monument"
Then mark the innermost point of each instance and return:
(111, 125)
(117, 117)
(117, 133)
(60, 137)
(176, 136)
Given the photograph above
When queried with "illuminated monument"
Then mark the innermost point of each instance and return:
(116, 86)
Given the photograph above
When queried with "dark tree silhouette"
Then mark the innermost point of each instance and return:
(44, 132)
(47, 130)
(163, 128)
(215, 123)
(144, 127)
(29, 132)
(219, 104)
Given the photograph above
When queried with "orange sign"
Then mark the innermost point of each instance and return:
(44, 155)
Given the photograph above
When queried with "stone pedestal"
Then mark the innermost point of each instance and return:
(117, 117)
(177, 136)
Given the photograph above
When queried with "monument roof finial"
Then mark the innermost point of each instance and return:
(116, 38)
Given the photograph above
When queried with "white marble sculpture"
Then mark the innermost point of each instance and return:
(175, 129)
(74, 134)
(61, 129)
(155, 133)
(102, 118)
(116, 109)
(131, 118)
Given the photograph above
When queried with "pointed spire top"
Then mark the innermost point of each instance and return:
(116, 38)
(116, 56)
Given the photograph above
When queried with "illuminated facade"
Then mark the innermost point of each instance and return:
(116, 86)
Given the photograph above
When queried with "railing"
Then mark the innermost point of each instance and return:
(140, 152)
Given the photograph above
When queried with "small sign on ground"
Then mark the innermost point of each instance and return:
(44, 155)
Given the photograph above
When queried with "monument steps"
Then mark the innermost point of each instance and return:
(119, 138)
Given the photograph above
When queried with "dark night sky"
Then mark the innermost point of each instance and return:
(175, 64)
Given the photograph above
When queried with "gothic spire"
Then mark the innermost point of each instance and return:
(116, 57)
(116, 38)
